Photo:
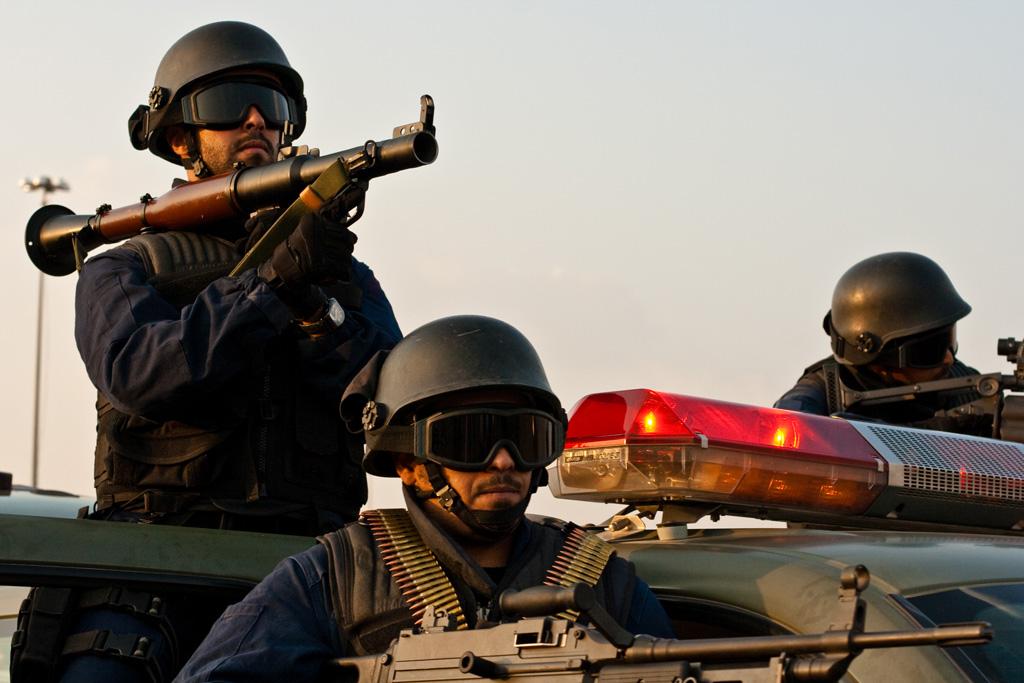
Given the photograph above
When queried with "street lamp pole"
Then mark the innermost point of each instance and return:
(45, 185)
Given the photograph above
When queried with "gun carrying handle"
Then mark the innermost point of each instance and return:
(540, 601)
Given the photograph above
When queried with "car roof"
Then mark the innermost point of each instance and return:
(908, 563)
(27, 500)
(37, 548)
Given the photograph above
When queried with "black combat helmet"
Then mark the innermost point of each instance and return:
(889, 297)
(443, 357)
(201, 56)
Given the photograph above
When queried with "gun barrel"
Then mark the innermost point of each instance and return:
(279, 183)
(646, 649)
(949, 635)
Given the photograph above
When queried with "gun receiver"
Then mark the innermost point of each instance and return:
(57, 240)
(540, 646)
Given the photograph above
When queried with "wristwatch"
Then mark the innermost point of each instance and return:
(332, 319)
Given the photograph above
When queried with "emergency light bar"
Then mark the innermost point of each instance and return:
(645, 447)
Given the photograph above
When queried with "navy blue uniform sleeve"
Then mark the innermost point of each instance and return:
(281, 631)
(807, 396)
(348, 348)
(154, 361)
(646, 615)
(375, 306)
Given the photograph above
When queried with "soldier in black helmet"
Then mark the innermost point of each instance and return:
(892, 323)
(462, 412)
(217, 395)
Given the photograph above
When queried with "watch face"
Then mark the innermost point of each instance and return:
(335, 313)
(332, 319)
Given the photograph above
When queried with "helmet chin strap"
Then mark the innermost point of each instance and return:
(193, 161)
(492, 525)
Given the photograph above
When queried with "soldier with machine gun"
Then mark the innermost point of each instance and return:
(462, 412)
(893, 331)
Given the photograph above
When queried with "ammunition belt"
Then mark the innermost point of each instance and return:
(583, 557)
(413, 566)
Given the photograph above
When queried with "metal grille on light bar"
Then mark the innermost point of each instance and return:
(941, 462)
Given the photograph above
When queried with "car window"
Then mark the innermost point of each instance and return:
(10, 601)
(693, 618)
(1000, 605)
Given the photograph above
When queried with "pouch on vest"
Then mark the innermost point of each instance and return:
(139, 453)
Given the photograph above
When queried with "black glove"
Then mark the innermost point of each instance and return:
(318, 252)
(346, 207)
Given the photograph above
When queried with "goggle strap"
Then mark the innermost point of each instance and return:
(393, 438)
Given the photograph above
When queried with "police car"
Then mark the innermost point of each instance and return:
(937, 519)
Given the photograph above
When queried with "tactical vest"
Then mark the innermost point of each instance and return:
(370, 609)
(273, 449)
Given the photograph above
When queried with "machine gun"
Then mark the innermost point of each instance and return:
(57, 240)
(1003, 414)
(541, 646)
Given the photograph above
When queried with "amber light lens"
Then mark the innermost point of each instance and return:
(654, 472)
(786, 482)
(598, 469)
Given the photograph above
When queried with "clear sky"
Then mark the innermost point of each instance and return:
(659, 194)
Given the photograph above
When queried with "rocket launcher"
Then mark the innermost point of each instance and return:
(58, 240)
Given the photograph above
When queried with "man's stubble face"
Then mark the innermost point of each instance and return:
(252, 143)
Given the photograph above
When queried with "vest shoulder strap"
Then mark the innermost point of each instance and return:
(365, 604)
(373, 594)
(833, 393)
(180, 264)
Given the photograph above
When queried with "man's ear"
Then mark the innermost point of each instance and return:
(405, 467)
(177, 140)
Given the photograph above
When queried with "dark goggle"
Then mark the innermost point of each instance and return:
(227, 105)
(923, 352)
(469, 439)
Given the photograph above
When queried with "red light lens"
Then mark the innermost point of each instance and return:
(655, 418)
(810, 436)
(621, 416)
